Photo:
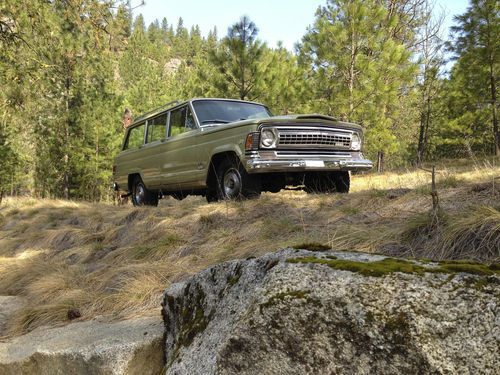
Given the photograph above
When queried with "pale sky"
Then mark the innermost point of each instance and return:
(277, 20)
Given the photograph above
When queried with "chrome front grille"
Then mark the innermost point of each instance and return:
(313, 138)
(323, 153)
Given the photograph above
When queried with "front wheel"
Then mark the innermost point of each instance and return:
(141, 196)
(234, 183)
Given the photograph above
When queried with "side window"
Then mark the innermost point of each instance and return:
(135, 138)
(181, 120)
(190, 123)
(157, 128)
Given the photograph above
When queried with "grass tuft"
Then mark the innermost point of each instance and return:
(474, 233)
(212, 220)
(423, 226)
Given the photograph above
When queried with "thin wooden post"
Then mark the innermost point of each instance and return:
(434, 193)
(380, 162)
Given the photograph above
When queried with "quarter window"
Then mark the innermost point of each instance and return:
(157, 128)
(135, 138)
(181, 120)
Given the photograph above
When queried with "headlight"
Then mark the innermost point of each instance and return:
(268, 138)
(355, 142)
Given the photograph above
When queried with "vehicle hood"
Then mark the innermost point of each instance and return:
(293, 120)
(312, 118)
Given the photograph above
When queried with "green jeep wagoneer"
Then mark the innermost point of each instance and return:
(232, 149)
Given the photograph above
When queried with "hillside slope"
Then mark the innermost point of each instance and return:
(71, 259)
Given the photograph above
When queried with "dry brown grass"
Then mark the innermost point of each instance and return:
(116, 260)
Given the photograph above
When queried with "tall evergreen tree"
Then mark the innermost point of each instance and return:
(360, 71)
(120, 28)
(476, 44)
(238, 60)
(66, 50)
(141, 71)
(181, 40)
(283, 87)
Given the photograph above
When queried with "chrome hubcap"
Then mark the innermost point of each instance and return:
(232, 183)
(139, 194)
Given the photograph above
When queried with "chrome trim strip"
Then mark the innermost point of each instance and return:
(312, 157)
(256, 166)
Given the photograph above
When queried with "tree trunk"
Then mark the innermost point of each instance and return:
(350, 82)
(425, 119)
(496, 134)
(66, 177)
(380, 162)
(420, 148)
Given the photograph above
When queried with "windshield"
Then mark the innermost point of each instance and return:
(225, 111)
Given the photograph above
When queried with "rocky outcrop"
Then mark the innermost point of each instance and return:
(92, 347)
(302, 312)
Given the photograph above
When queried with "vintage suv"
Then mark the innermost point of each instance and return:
(232, 149)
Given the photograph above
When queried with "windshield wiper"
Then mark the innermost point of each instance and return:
(215, 121)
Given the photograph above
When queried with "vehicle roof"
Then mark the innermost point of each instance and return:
(178, 103)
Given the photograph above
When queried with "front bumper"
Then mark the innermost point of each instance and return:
(261, 163)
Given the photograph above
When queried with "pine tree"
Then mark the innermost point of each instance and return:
(66, 50)
(141, 71)
(238, 60)
(120, 28)
(181, 40)
(360, 68)
(154, 32)
(167, 32)
(476, 45)
(283, 86)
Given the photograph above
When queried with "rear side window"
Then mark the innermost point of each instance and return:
(181, 120)
(135, 138)
(157, 129)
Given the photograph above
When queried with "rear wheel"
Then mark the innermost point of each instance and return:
(233, 182)
(141, 196)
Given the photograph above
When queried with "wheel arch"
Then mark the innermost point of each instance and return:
(214, 162)
(131, 178)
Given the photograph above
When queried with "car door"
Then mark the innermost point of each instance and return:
(156, 135)
(131, 159)
(180, 161)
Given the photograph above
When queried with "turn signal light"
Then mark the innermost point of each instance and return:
(252, 141)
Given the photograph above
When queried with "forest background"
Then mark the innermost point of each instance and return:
(69, 68)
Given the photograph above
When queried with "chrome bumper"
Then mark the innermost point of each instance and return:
(310, 163)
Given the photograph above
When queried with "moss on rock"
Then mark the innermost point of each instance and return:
(389, 265)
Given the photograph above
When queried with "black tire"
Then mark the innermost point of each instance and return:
(141, 196)
(234, 183)
(211, 196)
(342, 182)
